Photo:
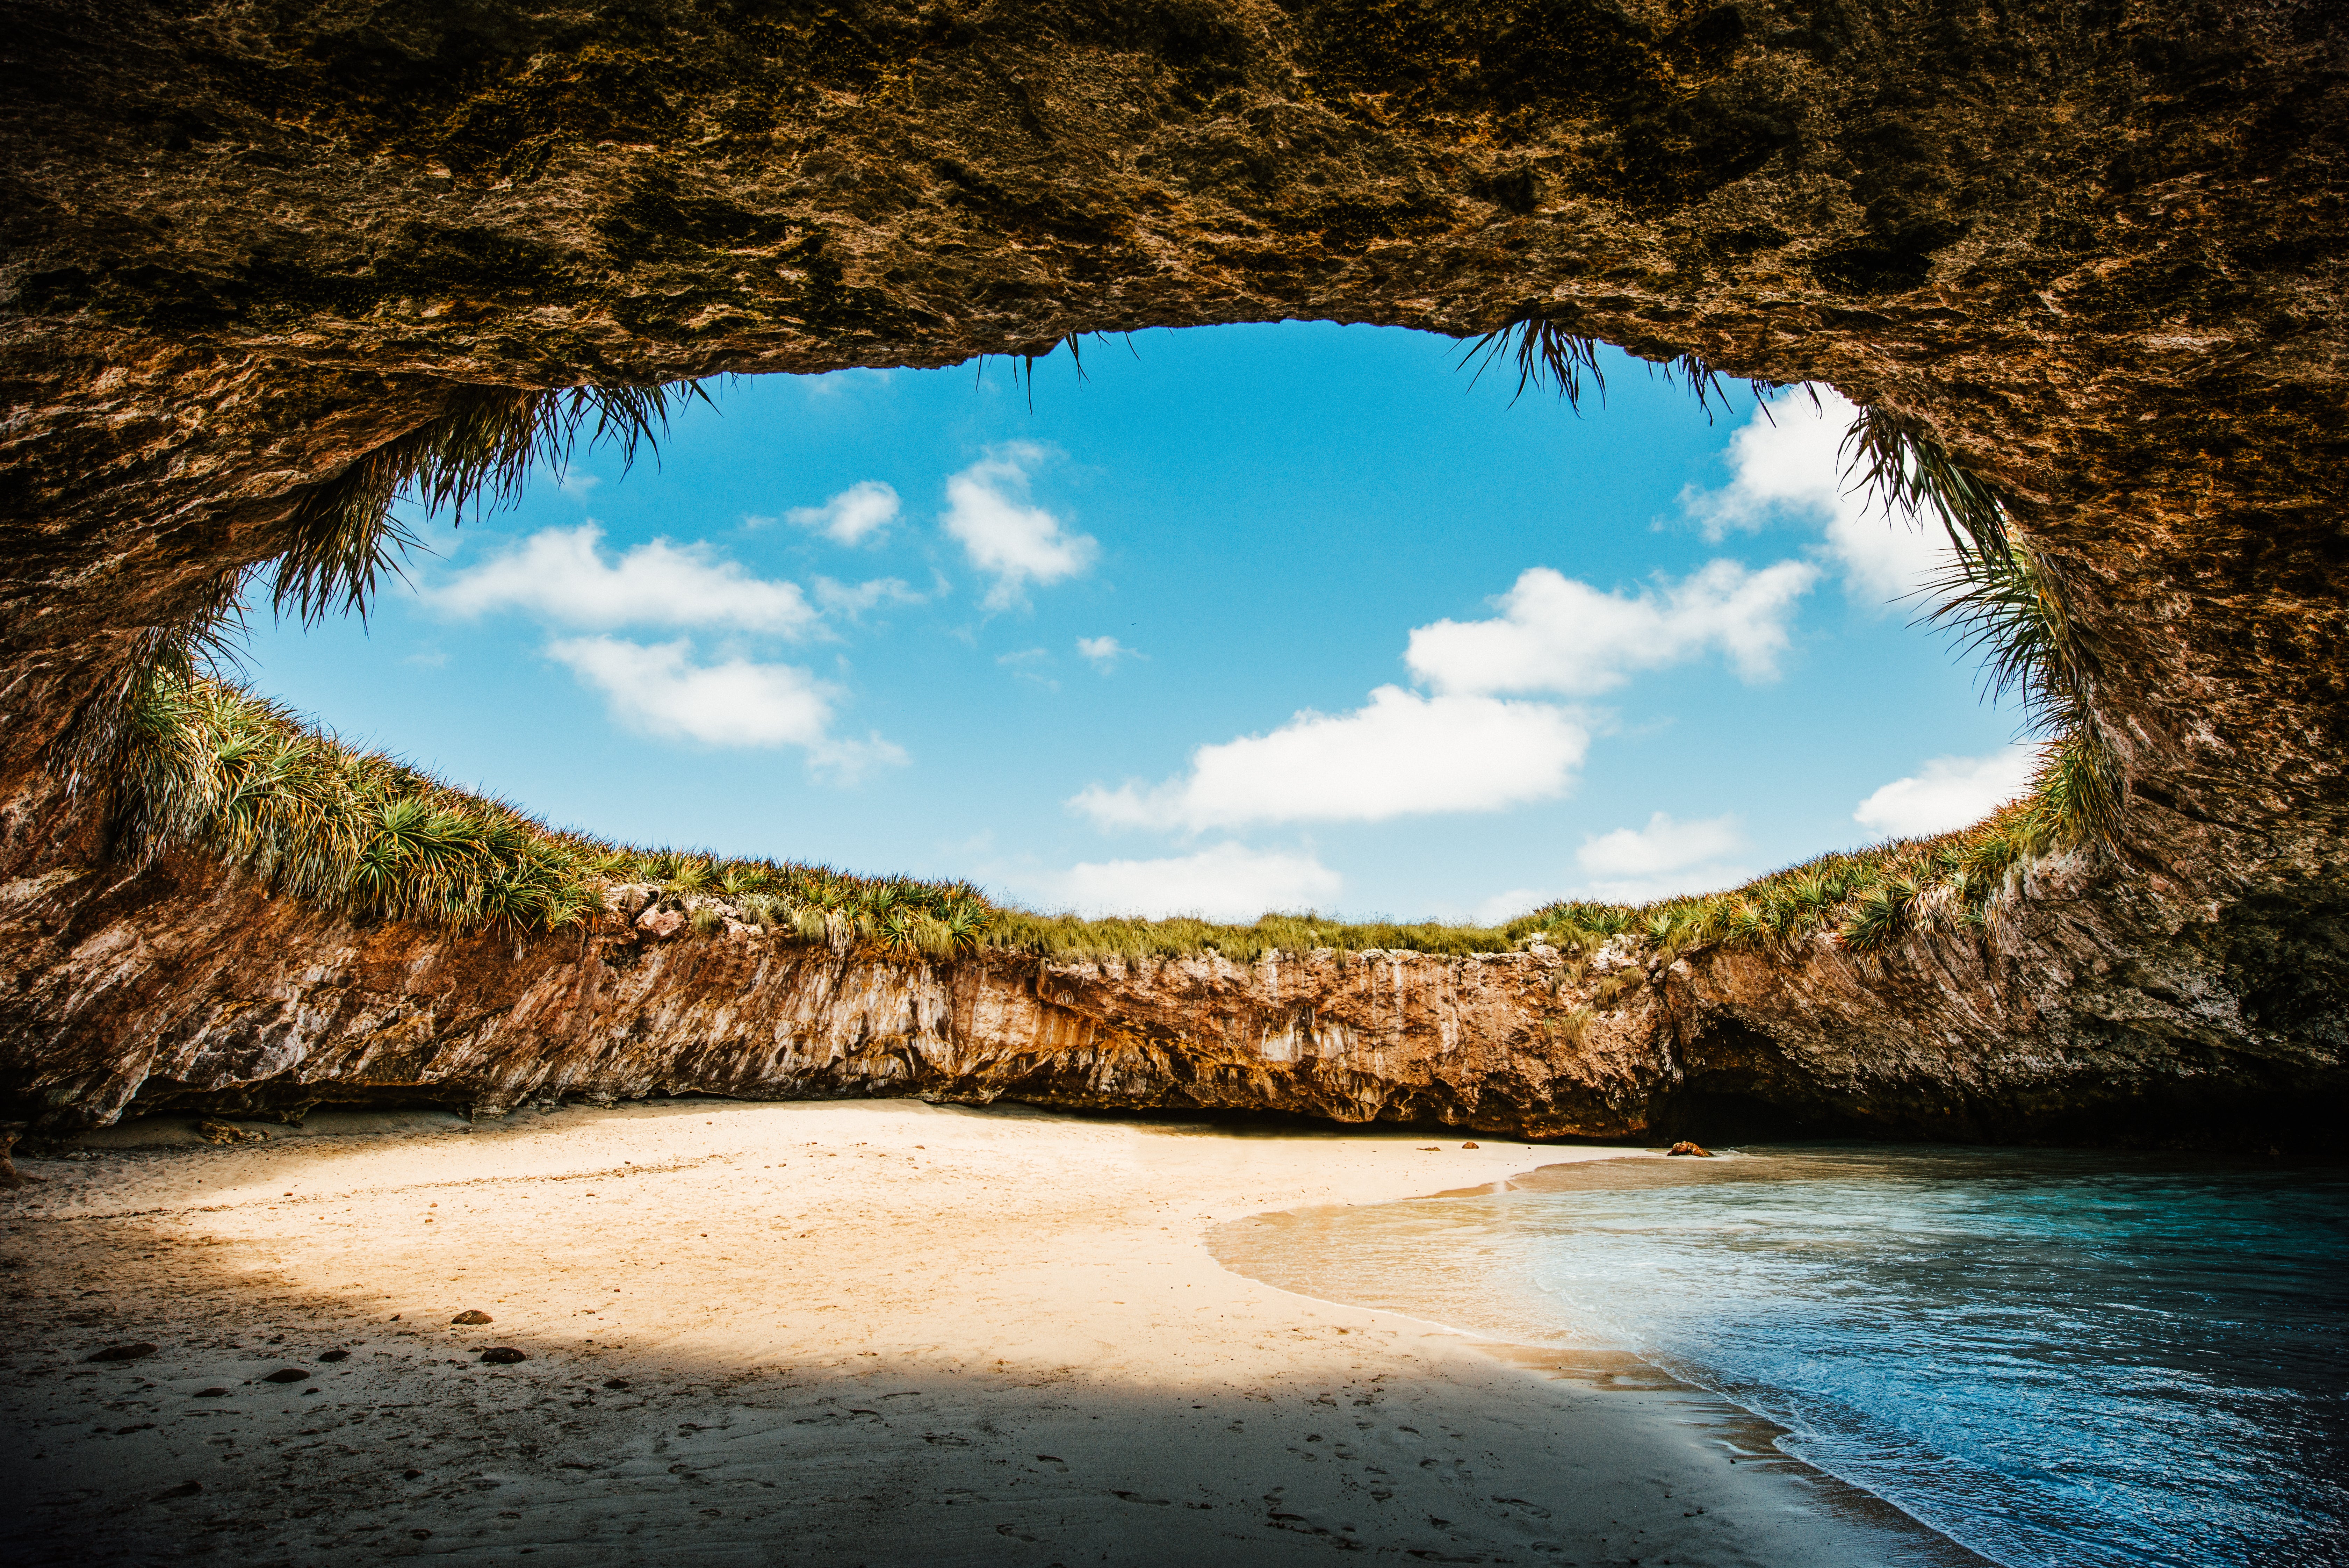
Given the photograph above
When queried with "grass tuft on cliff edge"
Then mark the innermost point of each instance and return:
(213, 767)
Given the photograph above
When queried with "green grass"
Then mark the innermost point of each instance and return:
(213, 767)
(1869, 898)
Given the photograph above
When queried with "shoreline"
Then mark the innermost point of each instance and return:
(875, 1331)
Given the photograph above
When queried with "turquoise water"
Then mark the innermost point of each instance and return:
(2060, 1359)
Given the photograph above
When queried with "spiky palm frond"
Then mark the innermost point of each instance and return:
(1910, 471)
(1546, 353)
(2008, 606)
(1881, 915)
(1705, 383)
(2004, 602)
(1025, 360)
(2079, 793)
(1549, 353)
(475, 454)
(212, 767)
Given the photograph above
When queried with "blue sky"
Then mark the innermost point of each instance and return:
(1248, 618)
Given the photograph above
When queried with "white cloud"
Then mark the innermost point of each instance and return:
(856, 514)
(1634, 865)
(1555, 634)
(578, 485)
(839, 383)
(1228, 882)
(1403, 754)
(564, 574)
(660, 691)
(843, 599)
(1949, 792)
(1502, 908)
(1104, 652)
(1637, 865)
(1789, 463)
(1011, 541)
(1663, 845)
(1027, 663)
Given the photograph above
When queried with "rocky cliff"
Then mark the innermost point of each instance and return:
(2096, 248)
(178, 988)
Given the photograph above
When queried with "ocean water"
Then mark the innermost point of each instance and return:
(2059, 1359)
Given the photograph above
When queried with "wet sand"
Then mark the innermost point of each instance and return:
(877, 1333)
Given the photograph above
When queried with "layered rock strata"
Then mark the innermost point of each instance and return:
(2096, 248)
(148, 998)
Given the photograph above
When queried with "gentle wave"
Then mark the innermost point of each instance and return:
(2070, 1360)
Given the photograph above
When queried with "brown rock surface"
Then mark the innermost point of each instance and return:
(2096, 248)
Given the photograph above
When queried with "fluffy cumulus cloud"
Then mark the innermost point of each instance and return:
(1788, 464)
(1663, 845)
(565, 575)
(1103, 652)
(1948, 793)
(1228, 882)
(1401, 753)
(857, 513)
(661, 689)
(1006, 536)
(1556, 634)
(1632, 865)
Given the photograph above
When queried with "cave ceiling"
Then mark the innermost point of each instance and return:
(2097, 250)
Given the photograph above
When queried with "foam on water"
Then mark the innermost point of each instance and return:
(2065, 1359)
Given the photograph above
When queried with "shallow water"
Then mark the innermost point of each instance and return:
(2059, 1358)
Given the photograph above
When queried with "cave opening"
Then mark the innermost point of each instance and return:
(2067, 277)
(1219, 622)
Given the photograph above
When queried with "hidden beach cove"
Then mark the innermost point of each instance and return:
(397, 1174)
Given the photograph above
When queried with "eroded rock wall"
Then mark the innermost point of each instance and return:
(181, 988)
(2098, 246)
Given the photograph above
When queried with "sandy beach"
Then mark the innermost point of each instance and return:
(877, 1333)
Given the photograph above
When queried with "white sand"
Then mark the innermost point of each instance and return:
(876, 1333)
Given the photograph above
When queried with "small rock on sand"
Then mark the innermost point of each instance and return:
(1684, 1147)
(1470, 1146)
(502, 1355)
(335, 1355)
(211, 1394)
(287, 1375)
(616, 1383)
(122, 1352)
(475, 1315)
(185, 1489)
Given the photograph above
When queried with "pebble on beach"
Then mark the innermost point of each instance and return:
(502, 1355)
(122, 1353)
(287, 1375)
(475, 1315)
(1684, 1147)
